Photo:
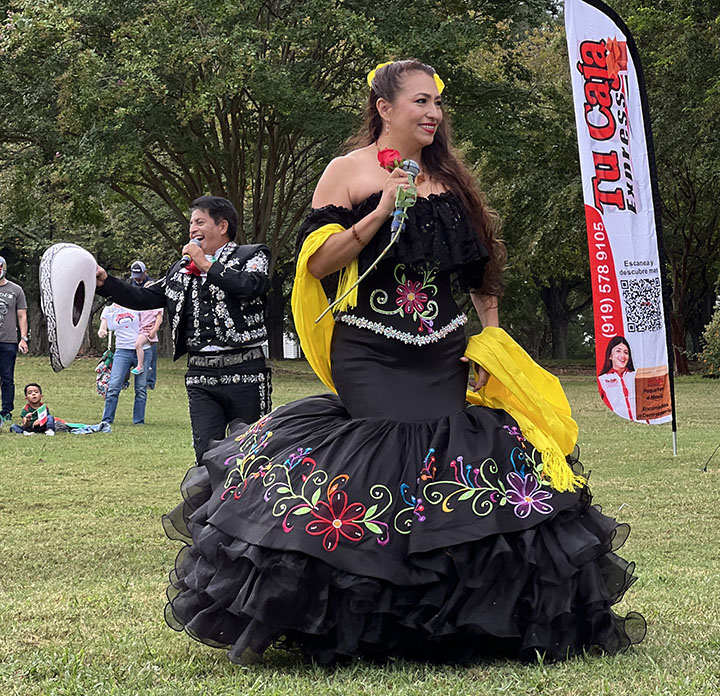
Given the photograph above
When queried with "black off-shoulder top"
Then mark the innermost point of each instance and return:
(408, 297)
(438, 233)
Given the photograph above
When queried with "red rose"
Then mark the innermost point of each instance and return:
(389, 159)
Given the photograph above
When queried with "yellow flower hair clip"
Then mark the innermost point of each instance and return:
(371, 75)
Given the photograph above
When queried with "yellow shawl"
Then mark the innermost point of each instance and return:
(518, 385)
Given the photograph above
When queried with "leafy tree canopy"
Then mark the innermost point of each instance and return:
(172, 99)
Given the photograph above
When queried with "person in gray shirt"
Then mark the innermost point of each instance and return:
(13, 315)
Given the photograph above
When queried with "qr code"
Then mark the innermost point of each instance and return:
(643, 304)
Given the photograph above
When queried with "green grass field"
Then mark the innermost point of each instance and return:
(83, 558)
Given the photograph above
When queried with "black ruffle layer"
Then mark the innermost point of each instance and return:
(437, 232)
(544, 589)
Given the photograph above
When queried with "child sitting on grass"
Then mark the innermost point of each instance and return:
(150, 321)
(35, 416)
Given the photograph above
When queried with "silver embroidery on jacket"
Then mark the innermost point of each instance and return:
(225, 329)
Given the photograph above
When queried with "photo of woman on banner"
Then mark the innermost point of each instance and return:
(617, 378)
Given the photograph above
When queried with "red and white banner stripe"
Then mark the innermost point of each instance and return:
(616, 160)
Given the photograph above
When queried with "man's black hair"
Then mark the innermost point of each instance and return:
(218, 209)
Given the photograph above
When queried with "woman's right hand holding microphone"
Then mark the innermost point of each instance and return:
(398, 177)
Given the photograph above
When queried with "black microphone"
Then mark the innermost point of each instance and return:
(186, 258)
(411, 168)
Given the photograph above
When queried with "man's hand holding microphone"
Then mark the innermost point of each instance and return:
(192, 251)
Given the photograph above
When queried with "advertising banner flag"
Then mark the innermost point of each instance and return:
(621, 213)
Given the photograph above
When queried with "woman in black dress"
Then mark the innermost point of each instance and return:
(392, 518)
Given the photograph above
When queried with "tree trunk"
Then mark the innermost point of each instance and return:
(677, 315)
(275, 317)
(554, 298)
(37, 328)
(677, 335)
(559, 333)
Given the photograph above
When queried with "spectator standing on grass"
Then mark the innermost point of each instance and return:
(139, 276)
(13, 315)
(126, 325)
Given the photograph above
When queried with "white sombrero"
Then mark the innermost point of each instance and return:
(67, 287)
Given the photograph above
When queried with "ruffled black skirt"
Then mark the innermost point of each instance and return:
(434, 539)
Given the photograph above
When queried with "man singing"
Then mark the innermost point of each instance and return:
(215, 304)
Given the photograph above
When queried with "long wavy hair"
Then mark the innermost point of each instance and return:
(607, 365)
(442, 163)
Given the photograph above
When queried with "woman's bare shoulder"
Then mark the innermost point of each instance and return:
(362, 158)
(349, 179)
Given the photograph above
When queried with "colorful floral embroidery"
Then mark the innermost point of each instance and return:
(335, 518)
(298, 488)
(332, 519)
(427, 473)
(252, 432)
(483, 486)
(300, 494)
(515, 432)
(300, 459)
(252, 442)
(413, 298)
(403, 521)
(526, 496)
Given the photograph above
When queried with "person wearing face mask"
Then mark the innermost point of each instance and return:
(401, 514)
(13, 316)
(215, 306)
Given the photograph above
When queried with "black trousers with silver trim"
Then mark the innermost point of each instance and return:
(219, 396)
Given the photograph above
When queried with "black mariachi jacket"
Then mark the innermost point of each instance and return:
(234, 302)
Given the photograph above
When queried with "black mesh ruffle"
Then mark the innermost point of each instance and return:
(556, 601)
(546, 587)
(437, 232)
